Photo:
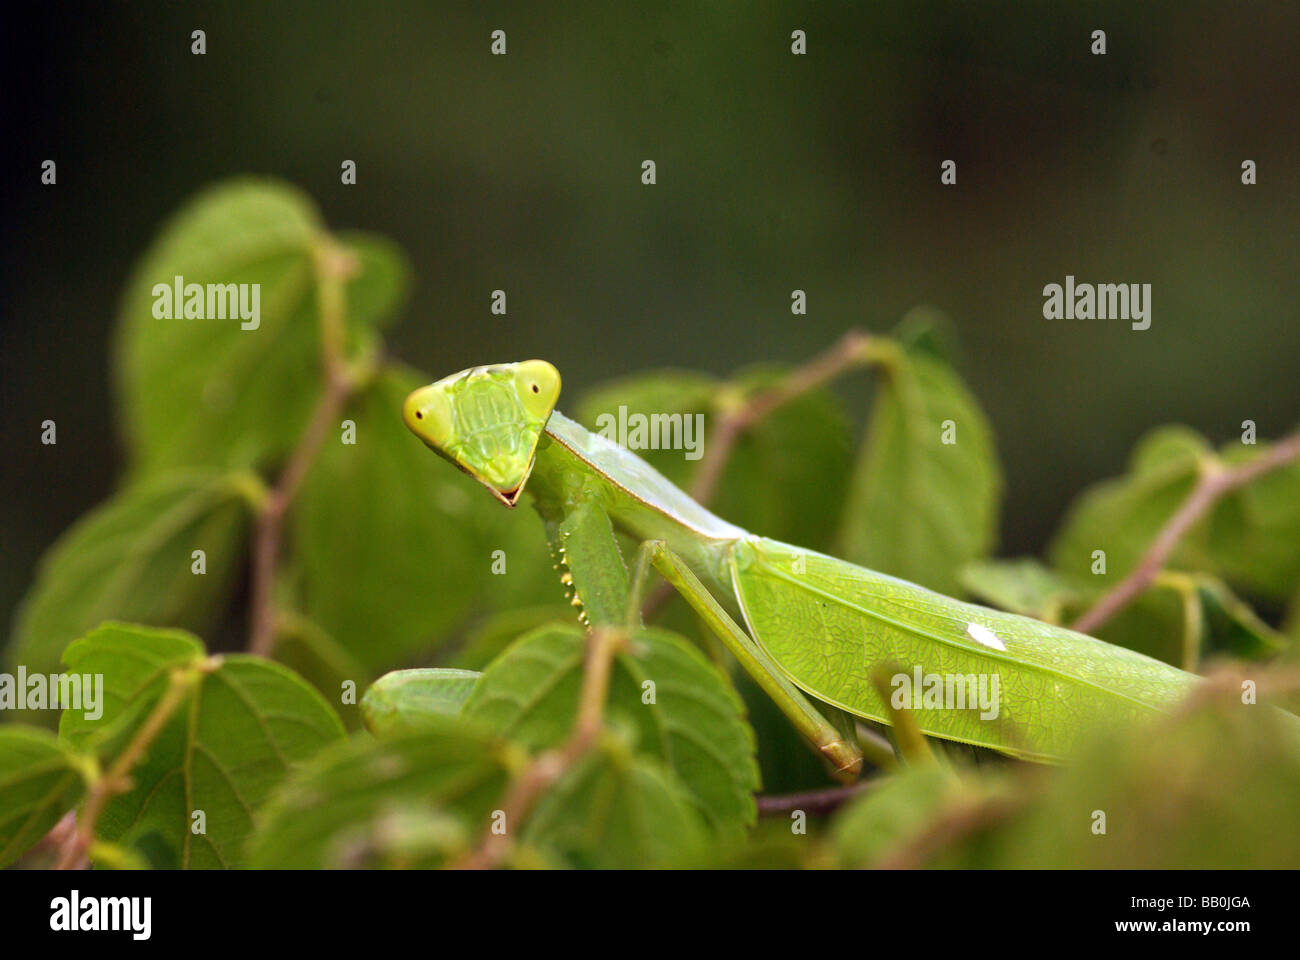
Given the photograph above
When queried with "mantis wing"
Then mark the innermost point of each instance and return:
(830, 624)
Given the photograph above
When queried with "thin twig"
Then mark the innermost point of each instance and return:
(59, 836)
(1214, 482)
(333, 267)
(813, 802)
(270, 521)
(546, 768)
(849, 351)
(115, 781)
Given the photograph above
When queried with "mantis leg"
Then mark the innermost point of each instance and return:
(843, 755)
(591, 566)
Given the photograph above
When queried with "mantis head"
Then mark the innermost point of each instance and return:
(487, 421)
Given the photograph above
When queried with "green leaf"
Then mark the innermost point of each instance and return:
(1171, 447)
(771, 846)
(308, 650)
(135, 663)
(788, 476)
(403, 700)
(929, 331)
(1021, 586)
(695, 723)
(892, 813)
(488, 639)
(379, 288)
(920, 508)
(40, 781)
(617, 811)
(205, 391)
(1155, 623)
(1291, 622)
(1232, 627)
(394, 547)
(132, 557)
(1253, 536)
(414, 800)
(1218, 788)
(1122, 516)
(243, 726)
(1181, 615)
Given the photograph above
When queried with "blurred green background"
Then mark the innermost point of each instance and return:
(775, 172)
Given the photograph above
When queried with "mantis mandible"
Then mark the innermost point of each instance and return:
(806, 627)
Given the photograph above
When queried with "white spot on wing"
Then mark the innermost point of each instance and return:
(984, 635)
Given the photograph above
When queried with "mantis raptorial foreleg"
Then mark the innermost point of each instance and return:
(591, 566)
(843, 755)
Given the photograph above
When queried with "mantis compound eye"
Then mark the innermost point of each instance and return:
(538, 386)
(427, 412)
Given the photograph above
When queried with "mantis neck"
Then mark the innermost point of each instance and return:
(574, 465)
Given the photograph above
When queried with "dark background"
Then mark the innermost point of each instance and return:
(775, 172)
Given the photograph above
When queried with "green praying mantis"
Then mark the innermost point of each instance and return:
(808, 628)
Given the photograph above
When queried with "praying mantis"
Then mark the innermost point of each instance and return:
(812, 631)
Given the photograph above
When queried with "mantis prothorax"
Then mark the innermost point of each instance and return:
(802, 624)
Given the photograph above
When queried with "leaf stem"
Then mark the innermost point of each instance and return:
(547, 767)
(105, 786)
(851, 350)
(813, 802)
(1214, 482)
(333, 267)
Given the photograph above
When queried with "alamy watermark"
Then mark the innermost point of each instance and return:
(946, 691)
(53, 691)
(75, 913)
(655, 431)
(209, 301)
(1101, 301)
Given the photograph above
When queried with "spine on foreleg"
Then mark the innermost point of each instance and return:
(561, 565)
